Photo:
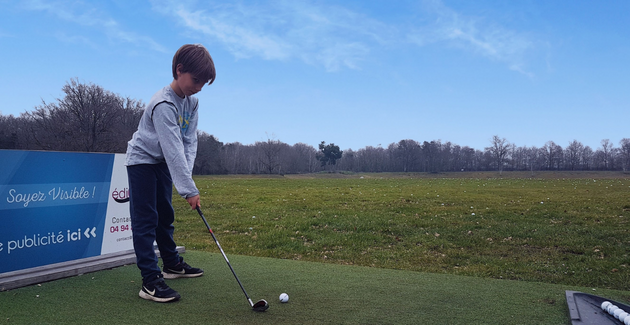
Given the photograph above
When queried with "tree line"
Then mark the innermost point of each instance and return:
(91, 119)
(88, 118)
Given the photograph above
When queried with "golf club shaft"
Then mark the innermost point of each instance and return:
(224, 256)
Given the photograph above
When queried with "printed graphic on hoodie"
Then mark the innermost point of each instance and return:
(183, 122)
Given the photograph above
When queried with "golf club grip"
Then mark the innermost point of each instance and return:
(224, 256)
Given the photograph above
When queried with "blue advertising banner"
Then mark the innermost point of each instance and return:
(54, 207)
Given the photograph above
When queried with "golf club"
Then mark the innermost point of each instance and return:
(260, 305)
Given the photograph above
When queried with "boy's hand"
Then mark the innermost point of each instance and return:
(194, 201)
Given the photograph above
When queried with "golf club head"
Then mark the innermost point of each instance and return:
(260, 305)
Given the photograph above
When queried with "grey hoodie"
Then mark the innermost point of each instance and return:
(168, 133)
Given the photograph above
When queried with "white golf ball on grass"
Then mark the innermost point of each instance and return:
(284, 297)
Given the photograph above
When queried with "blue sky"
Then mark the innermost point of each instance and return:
(354, 73)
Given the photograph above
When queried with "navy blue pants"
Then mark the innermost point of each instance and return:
(152, 216)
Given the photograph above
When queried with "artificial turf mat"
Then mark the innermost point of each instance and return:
(319, 293)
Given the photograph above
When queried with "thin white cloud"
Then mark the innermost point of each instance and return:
(473, 34)
(342, 54)
(83, 14)
(243, 41)
(335, 37)
(331, 36)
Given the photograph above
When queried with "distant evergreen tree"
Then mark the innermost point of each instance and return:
(328, 154)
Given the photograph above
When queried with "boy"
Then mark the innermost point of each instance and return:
(162, 153)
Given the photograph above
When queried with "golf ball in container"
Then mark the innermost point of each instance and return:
(622, 316)
(284, 297)
(605, 304)
(617, 313)
(627, 320)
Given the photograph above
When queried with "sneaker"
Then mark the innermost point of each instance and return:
(157, 290)
(181, 270)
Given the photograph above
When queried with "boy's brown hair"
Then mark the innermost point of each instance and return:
(196, 60)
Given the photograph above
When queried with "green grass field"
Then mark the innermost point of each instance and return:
(565, 230)
(477, 248)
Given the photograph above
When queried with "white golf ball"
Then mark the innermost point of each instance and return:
(611, 309)
(627, 320)
(622, 316)
(617, 312)
(605, 304)
(284, 297)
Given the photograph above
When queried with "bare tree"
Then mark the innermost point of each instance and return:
(208, 160)
(457, 158)
(532, 158)
(552, 153)
(231, 157)
(446, 156)
(302, 158)
(88, 118)
(607, 152)
(573, 153)
(625, 153)
(8, 132)
(269, 156)
(499, 150)
(407, 153)
(370, 159)
(431, 155)
(348, 161)
(587, 158)
(468, 159)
